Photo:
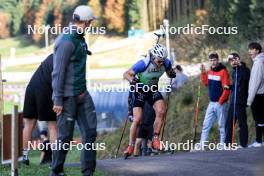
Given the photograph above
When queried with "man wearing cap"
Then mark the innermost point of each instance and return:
(238, 100)
(72, 102)
(217, 81)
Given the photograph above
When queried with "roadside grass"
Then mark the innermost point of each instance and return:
(8, 105)
(33, 67)
(24, 46)
(21, 43)
(42, 170)
(22, 68)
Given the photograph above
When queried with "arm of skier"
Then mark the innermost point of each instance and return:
(169, 70)
(129, 75)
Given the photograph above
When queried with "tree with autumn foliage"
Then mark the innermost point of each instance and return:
(114, 15)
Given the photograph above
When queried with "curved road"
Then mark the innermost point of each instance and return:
(243, 162)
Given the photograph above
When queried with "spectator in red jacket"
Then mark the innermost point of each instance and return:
(217, 81)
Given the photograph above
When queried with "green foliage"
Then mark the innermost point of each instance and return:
(121, 15)
(187, 99)
(257, 23)
(133, 14)
(241, 16)
(247, 15)
(15, 9)
(219, 15)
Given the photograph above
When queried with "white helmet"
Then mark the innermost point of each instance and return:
(83, 13)
(159, 51)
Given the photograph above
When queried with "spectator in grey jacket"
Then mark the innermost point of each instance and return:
(72, 101)
(256, 91)
(180, 79)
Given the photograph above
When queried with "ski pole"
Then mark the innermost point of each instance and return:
(197, 112)
(234, 111)
(160, 34)
(197, 109)
(164, 123)
(121, 138)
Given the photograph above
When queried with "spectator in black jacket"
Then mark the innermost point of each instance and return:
(238, 103)
(38, 104)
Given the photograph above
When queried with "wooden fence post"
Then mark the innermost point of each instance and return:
(14, 149)
(1, 104)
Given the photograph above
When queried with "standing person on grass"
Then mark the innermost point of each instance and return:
(72, 101)
(240, 79)
(217, 81)
(38, 105)
(180, 79)
(256, 91)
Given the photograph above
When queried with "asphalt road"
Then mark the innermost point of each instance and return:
(243, 162)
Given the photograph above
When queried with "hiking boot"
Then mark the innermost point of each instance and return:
(129, 151)
(156, 143)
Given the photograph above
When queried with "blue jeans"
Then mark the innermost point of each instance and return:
(214, 112)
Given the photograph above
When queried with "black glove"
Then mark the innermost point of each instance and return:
(89, 52)
(134, 81)
(172, 73)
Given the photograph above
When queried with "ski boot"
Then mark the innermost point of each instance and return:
(129, 151)
(156, 146)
